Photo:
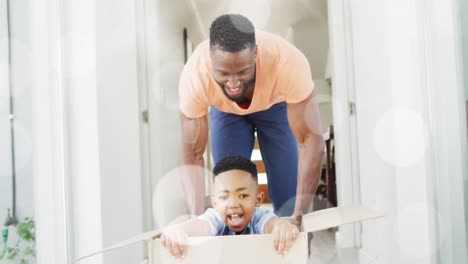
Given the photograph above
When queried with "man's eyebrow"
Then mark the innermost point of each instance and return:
(219, 71)
(243, 70)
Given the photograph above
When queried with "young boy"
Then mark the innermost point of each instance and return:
(235, 211)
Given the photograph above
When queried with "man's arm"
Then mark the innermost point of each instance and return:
(304, 120)
(194, 139)
(284, 234)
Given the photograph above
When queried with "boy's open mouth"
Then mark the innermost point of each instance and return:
(235, 220)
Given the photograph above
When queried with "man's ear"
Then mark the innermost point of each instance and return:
(213, 201)
(260, 197)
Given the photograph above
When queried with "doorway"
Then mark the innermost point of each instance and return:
(304, 23)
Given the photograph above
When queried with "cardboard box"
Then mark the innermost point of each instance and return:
(249, 249)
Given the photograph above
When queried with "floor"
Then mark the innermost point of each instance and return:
(324, 251)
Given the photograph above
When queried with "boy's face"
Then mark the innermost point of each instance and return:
(235, 198)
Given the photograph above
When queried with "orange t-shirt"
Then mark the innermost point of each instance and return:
(282, 73)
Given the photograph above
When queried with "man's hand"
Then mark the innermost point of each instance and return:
(175, 240)
(297, 219)
(284, 234)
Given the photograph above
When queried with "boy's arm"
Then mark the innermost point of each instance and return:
(174, 237)
(284, 234)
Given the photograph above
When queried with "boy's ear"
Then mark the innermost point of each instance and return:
(213, 201)
(260, 197)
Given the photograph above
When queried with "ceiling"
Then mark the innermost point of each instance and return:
(272, 15)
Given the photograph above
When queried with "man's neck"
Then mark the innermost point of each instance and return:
(244, 103)
(250, 91)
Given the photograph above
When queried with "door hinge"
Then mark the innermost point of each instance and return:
(145, 116)
(352, 108)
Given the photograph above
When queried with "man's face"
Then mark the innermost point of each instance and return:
(234, 71)
(235, 198)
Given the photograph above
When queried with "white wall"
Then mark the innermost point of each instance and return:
(311, 37)
(325, 100)
(165, 61)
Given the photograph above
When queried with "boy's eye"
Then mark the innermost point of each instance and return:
(222, 197)
(243, 196)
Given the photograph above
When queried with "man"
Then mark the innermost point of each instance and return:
(253, 82)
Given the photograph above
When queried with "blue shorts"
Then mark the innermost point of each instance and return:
(232, 134)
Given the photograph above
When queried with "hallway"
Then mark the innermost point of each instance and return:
(102, 85)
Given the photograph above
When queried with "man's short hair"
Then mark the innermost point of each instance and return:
(232, 33)
(235, 163)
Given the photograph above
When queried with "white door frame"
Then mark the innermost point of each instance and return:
(445, 71)
(49, 145)
(347, 163)
(145, 21)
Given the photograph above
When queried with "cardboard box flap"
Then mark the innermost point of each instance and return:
(337, 216)
(202, 248)
(259, 248)
(142, 237)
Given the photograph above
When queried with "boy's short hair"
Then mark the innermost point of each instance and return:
(235, 163)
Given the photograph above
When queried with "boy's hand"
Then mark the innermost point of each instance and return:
(175, 240)
(284, 234)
